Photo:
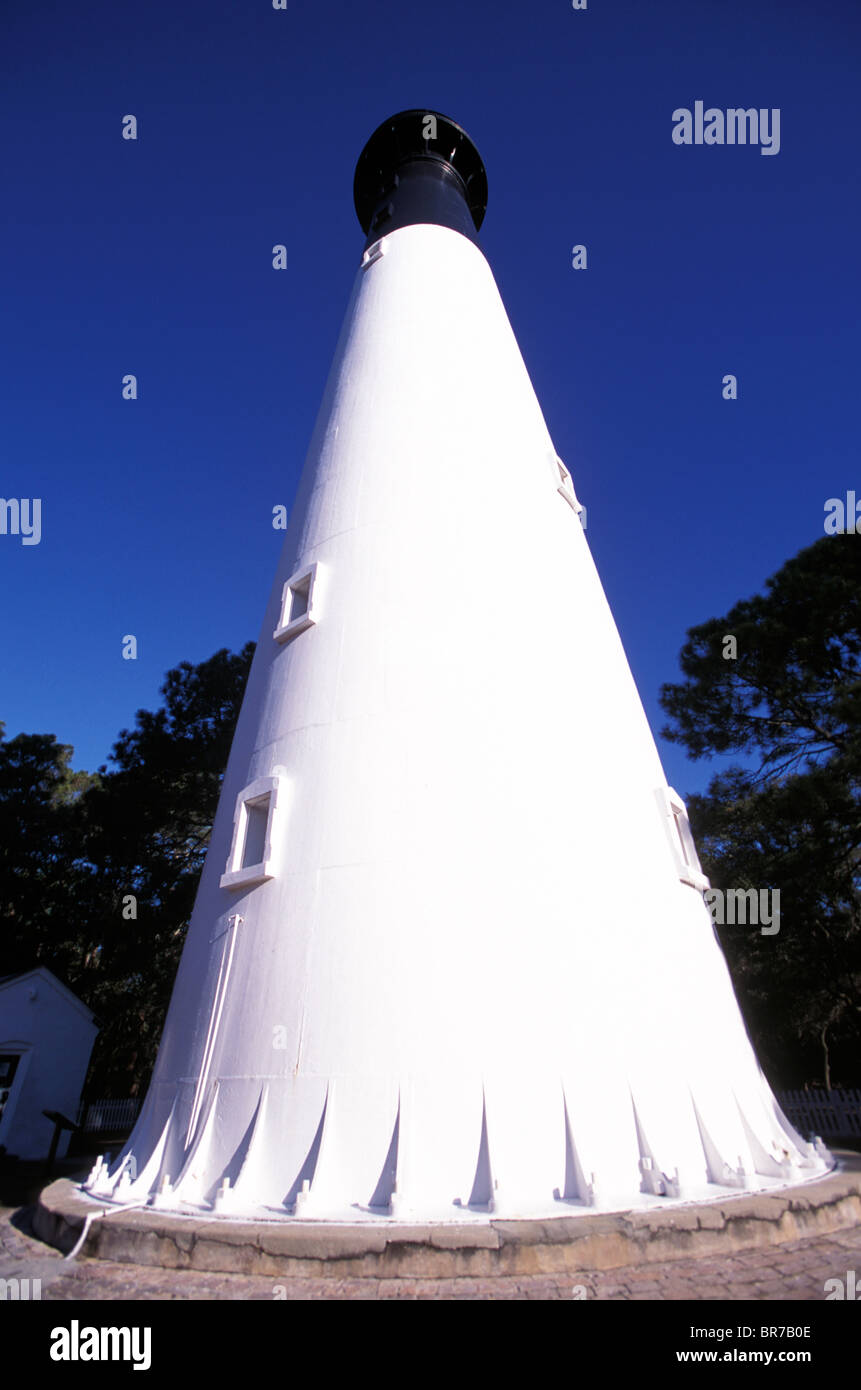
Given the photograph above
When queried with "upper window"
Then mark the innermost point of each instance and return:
(297, 604)
(374, 253)
(565, 485)
(681, 839)
(256, 826)
(253, 851)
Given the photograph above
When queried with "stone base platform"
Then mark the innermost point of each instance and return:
(389, 1249)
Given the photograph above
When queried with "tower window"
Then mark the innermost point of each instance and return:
(565, 485)
(681, 839)
(256, 826)
(297, 604)
(300, 598)
(374, 253)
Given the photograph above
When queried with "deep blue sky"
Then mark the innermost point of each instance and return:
(154, 257)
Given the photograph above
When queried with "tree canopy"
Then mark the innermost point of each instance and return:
(786, 695)
(98, 873)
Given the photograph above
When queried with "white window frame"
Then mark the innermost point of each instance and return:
(374, 252)
(565, 485)
(288, 628)
(24, 1052)
(678, 829)
(236, 875)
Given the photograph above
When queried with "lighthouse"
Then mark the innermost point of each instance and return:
(449, 956)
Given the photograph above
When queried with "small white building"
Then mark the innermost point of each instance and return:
(46, 1038)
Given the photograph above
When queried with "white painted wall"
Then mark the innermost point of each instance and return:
(477, 907)
(54, 1034)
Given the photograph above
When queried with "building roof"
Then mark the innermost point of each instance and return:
(47, 976)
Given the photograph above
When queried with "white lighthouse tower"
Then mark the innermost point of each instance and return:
(449, 954)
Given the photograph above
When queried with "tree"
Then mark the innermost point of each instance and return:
(98, 873)
(145, 831)
(40, 871)
(790, 701)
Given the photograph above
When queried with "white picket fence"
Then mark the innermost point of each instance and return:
(823, 1112)
(108, 1115)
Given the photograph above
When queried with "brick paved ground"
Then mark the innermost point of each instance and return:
(796, 1271)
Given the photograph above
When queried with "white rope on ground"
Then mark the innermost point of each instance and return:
(97, 1216)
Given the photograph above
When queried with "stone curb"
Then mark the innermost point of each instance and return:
(558, 1245)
